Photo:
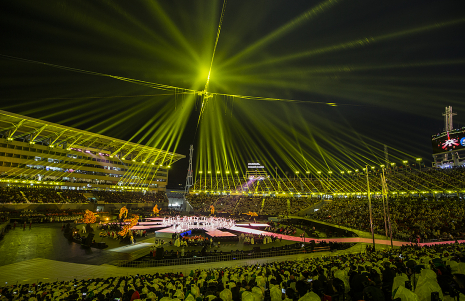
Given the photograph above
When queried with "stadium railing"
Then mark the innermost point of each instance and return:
(207, 259)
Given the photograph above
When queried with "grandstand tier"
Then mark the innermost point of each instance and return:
(399, 181)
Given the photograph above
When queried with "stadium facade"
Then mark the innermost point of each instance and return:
(34, 152)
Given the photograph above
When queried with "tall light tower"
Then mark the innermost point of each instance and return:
(448, 115)
(189, 181)
(448, 124)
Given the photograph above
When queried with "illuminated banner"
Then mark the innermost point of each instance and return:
(448, 141)
(254, 165)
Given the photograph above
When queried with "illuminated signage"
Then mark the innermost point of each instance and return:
(254, 165)
(448, 141)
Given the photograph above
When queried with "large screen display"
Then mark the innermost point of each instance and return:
(448, 141)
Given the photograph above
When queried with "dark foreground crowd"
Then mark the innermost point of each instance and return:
(408, 273)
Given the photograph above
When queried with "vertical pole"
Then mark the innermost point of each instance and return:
(385, 194)
(189, 182)
(369, 208)
(389, 219)
(384, 205)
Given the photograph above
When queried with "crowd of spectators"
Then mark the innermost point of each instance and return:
(48, 215)
(241, 204)
(413, 219)
(11, 195)
(429, 179)
(409, 273)
(40, 195)
(17, 195)
(126, 197)
(255, 239)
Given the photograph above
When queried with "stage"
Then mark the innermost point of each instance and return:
(213, 226)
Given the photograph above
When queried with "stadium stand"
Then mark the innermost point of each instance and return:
(428, 179)
(39, 195)
(411, 218)
(408, 273)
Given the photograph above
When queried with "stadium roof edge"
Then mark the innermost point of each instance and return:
(16, 125)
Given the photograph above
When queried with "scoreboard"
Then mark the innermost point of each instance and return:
(448, 141)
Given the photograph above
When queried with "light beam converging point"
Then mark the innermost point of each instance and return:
(257, 130)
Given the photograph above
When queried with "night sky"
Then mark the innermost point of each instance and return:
(390, 66)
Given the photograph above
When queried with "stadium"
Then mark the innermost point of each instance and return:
(232, 151)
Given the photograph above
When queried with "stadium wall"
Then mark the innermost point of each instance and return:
(92, 207)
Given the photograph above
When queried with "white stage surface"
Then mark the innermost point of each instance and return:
(183, 224)
(218, 233)
(147, 227)
(213, 225)
(252, 225)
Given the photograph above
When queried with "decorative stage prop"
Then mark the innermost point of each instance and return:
(89, 217)
(123, 212)
(212, 210)
(156, 210)
(132, 222)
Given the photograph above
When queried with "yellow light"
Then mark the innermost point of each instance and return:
(308, 172)
(330, 172)
(319, 172)
(161, 165)
(169, 166)
(342, 172)
(123, 158)
(143, 161)
(418, 159)
(392, 164)
(296, 172)
(227, 172)
(218, 171)
(153, 163)
(382, 165)
(209, 172)
(372, 167)
(405, 161)
(356, 170)
(200, 171)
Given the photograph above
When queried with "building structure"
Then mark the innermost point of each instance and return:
(41, 153)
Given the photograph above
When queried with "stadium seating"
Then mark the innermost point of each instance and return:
(17, 195)
(408, 273)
